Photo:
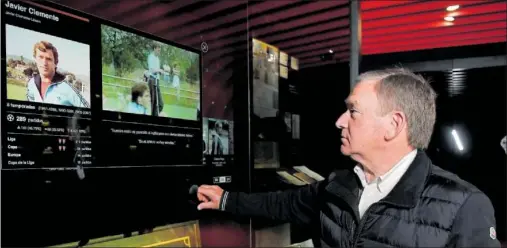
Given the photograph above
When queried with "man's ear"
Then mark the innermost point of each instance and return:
(397, 122)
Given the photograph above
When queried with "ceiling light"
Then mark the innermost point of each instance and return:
(449, 18)
(452, 8)
(453, 14)
(330, 51)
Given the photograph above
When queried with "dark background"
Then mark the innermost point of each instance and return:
(478, 113)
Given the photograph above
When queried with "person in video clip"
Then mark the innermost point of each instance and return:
(49, 86)
(394, 196)
(176, 80)
(217, 144)
(155, 71)
(140, 99)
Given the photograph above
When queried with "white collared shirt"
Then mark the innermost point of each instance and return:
(380, 187)
(153, 64)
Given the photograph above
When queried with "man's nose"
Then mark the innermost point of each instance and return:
(341, 123)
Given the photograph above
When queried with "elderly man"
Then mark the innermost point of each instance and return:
(395, 196)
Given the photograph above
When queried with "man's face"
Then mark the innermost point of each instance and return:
(45, 63)
(362, 128)
(157, 51)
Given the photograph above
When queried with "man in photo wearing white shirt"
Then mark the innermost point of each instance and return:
(154, 71)
(395, 196)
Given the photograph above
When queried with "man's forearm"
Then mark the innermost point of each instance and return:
(254, 205)
(296, 206)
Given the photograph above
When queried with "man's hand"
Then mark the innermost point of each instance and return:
(210, 196)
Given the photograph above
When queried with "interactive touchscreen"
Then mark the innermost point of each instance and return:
(119, 108)
(79, 92)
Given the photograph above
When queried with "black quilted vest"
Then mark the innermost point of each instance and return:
(418, 212)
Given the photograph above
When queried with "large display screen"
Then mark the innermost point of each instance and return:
(80, 92)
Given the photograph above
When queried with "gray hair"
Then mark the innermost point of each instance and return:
(401, 89)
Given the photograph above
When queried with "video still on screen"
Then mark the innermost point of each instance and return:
(47, 69)
(145, 77)
(150, 98)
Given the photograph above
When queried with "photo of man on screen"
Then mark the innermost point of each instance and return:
(48, 86)
(47, 69)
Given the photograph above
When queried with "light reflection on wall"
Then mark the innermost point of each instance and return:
(457, 139)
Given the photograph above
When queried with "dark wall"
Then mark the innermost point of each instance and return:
(324, 90)
(478, 114)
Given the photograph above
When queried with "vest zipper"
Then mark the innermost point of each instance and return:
(361, 224)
